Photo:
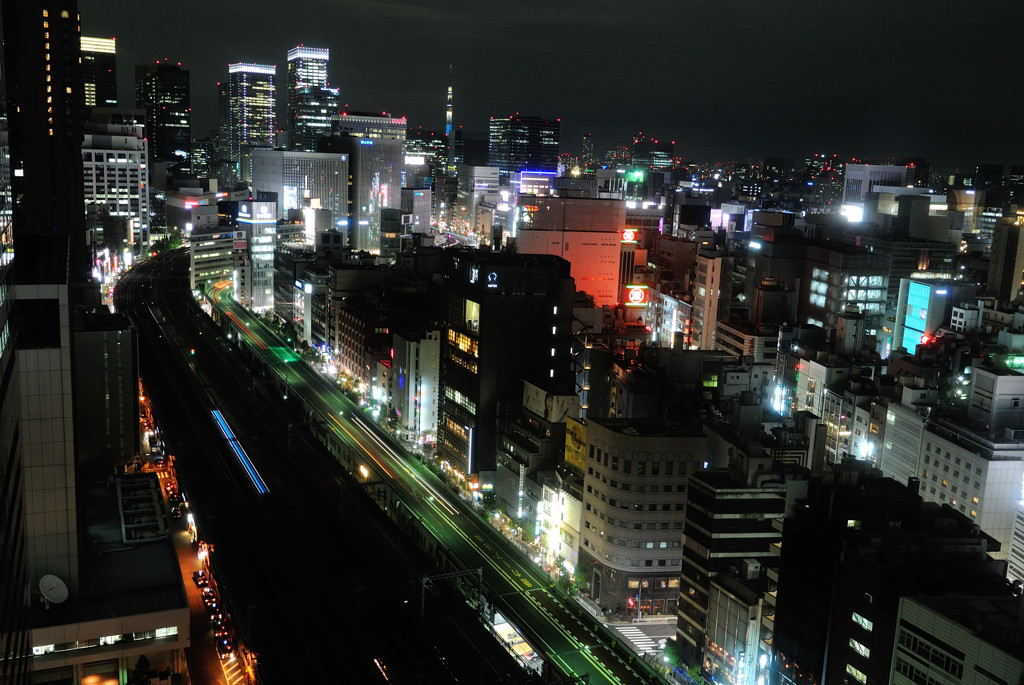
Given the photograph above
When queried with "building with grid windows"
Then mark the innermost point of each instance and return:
(634, 497)
(319, 180)
(856, 547)
(115, 178)
(518, 143)
(59, 504)
(507, 318)
(951, 640)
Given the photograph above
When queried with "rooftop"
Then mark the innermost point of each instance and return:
(649, 428)
(127, 563)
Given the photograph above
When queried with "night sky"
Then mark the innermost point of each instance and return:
(725, 80)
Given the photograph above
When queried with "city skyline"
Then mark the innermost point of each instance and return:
(774, 80)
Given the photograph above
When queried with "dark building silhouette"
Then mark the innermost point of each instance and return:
(162, 89)
(99, 72)
(43, 79)
(857, 545)
(507, 317)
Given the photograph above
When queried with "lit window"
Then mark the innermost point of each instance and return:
(858, 675)
(863, 622)
(863, 650)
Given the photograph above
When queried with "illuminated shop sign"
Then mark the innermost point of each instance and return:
(629, 236)
(636, 296)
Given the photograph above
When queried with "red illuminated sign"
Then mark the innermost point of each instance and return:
(629, 236)
(636, 295)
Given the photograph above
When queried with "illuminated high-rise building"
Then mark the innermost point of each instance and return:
(587, 159)
(523, 142)
(162, 89)
(249, 108)
(448, 106)
(307, 69)
(310, 116)
(99, 71)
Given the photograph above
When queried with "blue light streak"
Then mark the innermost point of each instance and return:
(243, 458)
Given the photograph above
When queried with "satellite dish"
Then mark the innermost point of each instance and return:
(53, 589)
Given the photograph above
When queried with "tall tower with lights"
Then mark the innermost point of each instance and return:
(448, 106)
(307, 76)
(250, 108)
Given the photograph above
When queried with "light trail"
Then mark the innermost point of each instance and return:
(437, 496)
(243, 458)
(245, 329)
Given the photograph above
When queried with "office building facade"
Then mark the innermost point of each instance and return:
(318, 180)
(163, 90)
(99, 71)
(311, 103)
(494, 302)
(634, 497)
(116, 179)
(518, 143)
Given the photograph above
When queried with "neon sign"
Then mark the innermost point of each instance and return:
(629, 236)
(636, 296)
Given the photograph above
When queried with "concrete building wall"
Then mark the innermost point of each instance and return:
(593, 257)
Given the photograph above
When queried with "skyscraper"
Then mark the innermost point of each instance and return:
(310, 117)
(43, 79)
(249, 109)
(44, 98)
(307, 69)
(587, 159)
(99, 71)
(162, 89)
(523, 142)
(448, 107)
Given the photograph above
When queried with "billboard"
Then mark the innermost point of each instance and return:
(553, 408)
(575, 444)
